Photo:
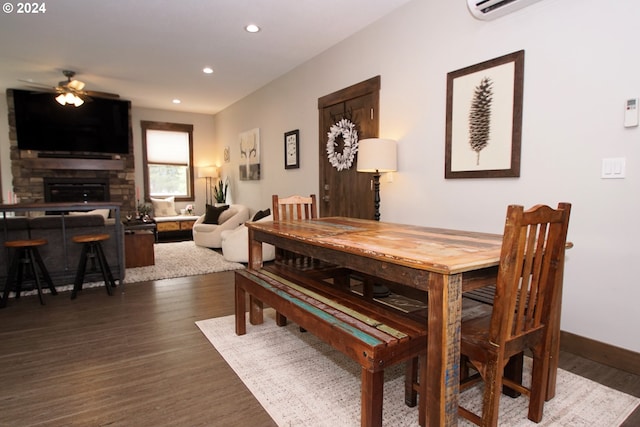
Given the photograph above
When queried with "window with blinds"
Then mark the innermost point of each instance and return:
(168, 159)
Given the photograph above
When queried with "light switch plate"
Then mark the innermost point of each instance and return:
(614, 168)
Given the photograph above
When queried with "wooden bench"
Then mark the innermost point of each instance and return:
(374, 336)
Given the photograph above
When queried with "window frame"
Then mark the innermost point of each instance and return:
(171, 127)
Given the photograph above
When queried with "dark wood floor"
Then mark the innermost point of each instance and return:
(137, 358)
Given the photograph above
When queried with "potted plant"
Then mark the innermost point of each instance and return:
(220, 192)
(143, 210)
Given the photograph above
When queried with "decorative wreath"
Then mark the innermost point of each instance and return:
(347, 129)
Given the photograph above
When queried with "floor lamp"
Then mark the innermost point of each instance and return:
(208, 173)
(377, 155)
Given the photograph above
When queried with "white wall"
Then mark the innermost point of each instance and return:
(580, 66)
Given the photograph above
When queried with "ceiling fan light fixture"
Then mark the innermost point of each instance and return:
(78, 101)
(69, 98)
(207, 70)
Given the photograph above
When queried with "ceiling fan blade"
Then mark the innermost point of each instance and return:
(36, 84)
(71, 85)
(98, 94)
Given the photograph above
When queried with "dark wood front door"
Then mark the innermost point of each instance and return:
(348, 192)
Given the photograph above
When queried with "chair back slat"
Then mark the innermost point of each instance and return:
(532, 250)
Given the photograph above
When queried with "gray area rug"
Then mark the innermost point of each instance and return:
(300, 381)
(176, 259)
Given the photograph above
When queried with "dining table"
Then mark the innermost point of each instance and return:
(444, 263)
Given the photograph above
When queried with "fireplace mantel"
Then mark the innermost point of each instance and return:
(83, 164)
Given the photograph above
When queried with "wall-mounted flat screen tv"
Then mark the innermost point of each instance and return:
(99, 125)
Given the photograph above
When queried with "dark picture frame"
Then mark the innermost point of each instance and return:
(292, 149)
(484, 119)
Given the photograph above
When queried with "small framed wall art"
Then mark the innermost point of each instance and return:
(291, 149)
(484, 119)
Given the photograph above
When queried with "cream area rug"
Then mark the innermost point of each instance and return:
(302, 382)
(180, 259)
(175, 259)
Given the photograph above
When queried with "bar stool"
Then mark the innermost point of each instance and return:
(26, 258)
(92, 250)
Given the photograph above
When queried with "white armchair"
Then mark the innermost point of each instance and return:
(235, 244)
(208, 235)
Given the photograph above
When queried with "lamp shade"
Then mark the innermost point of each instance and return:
(207, 172)
(377, 155)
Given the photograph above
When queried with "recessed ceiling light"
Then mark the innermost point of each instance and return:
(252, 28)
(176, 101)
(207, 70)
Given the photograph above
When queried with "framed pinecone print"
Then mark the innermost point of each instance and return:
(484, 119)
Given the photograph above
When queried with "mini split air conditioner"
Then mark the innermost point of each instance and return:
(491, 9)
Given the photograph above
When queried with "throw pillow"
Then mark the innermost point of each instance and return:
(213, 213)
(261, 214)
(164, 207)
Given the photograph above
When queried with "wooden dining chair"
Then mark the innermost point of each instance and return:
(520, 318)
(302, 208)
(294, 207)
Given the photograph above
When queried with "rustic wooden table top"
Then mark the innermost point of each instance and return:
(433, 249)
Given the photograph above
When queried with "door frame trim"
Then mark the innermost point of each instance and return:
(359, 89)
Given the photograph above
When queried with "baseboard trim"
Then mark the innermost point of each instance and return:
(600, 352)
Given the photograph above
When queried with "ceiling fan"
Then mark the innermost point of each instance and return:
(71, 91)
